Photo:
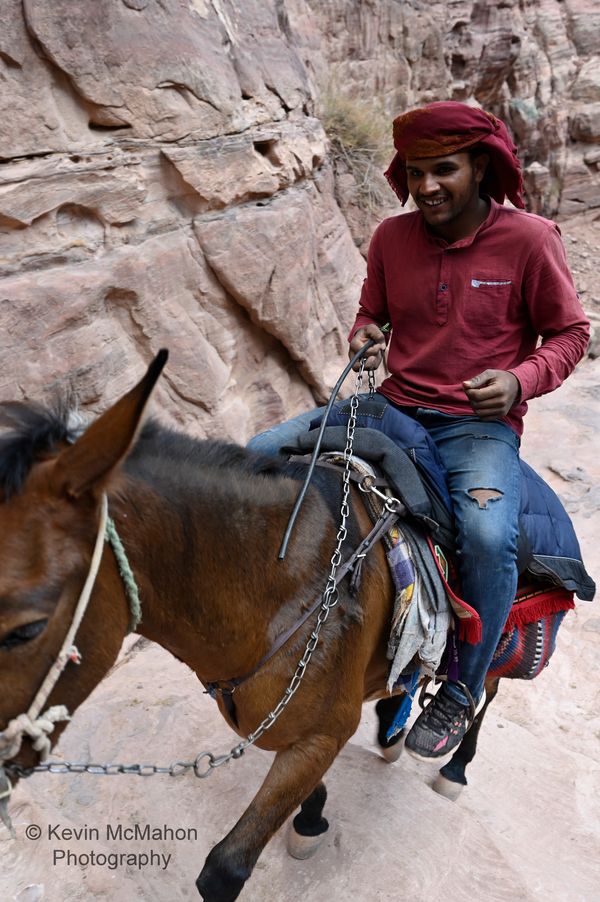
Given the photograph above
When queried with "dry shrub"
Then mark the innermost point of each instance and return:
(360, 135)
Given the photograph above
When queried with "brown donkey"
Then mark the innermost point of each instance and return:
(183, 509)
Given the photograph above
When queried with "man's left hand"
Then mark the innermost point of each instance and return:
(492, 393)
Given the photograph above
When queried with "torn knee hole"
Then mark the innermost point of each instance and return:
(482, 496)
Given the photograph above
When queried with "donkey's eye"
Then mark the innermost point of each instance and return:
(23, 634)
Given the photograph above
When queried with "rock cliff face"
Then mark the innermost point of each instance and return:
(165, 179)
(535, 63)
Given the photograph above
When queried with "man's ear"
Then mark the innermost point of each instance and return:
(480, 164)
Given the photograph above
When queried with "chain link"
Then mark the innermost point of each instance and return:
(204, 763)
(371, 382)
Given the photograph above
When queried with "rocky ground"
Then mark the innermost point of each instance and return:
(526, 828)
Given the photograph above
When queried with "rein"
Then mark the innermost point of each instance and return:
(360, 355)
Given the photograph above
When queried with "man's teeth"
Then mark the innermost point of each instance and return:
(435, 203)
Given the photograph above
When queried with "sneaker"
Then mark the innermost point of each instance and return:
(440, 727)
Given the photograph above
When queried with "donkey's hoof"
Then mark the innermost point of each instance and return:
(391, 753)
(302, 847)
(447, 788)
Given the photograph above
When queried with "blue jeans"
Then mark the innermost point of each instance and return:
(477, 456)
(270, 441)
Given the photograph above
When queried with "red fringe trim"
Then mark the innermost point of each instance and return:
(470, 630)
(540, 605)
(532, 603)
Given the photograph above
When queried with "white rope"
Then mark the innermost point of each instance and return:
(33, 723)
(38, 730)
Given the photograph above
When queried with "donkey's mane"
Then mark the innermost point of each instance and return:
(164, 447)
(33, 432)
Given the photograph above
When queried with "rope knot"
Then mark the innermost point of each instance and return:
(38, 731)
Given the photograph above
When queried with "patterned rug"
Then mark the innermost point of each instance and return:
(529, 639)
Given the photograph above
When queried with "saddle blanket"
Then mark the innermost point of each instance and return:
(424, 605)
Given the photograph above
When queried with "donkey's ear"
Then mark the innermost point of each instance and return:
(88, 464)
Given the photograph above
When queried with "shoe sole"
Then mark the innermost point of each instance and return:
(419, 757)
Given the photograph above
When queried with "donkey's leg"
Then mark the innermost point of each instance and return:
(451, 779)
(294, 774)
(386, 710)
(309, 828)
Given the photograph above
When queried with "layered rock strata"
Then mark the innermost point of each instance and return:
(165, 179)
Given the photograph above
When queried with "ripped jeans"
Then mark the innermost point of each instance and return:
(484, 477)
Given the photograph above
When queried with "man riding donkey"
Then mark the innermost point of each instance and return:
(468, 286)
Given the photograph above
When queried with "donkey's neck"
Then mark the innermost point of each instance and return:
(204, 552)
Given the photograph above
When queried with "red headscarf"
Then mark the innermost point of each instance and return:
(447, 127)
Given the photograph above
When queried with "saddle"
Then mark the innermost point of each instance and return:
(425, 542)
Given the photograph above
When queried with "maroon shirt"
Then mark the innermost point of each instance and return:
(480, 303)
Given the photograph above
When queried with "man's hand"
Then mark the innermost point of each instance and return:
(492, 393)
(374, 355)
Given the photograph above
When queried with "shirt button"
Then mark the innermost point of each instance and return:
(444, 286)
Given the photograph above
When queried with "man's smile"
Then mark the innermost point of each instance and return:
(433, 201)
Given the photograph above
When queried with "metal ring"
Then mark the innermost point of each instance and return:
(365, 483)
(394, 506)
(197, 761)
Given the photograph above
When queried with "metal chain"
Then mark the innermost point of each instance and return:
(204, 763)
(371, 383)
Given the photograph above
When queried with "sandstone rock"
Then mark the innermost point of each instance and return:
(112, 197)
(593, 351)
(310, 316)
(536, 179)
(169, 70)
(98, 327)
(551, 30)
(587, 84)
(150, 148)
(583, 22)
(581, 187)
(143, 75)
(38, 110)
(257, 164)
(585, 123)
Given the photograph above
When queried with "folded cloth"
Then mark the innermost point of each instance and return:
(422, 613)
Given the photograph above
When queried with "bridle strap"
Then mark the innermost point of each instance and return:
(65, 651)
(34, 723)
